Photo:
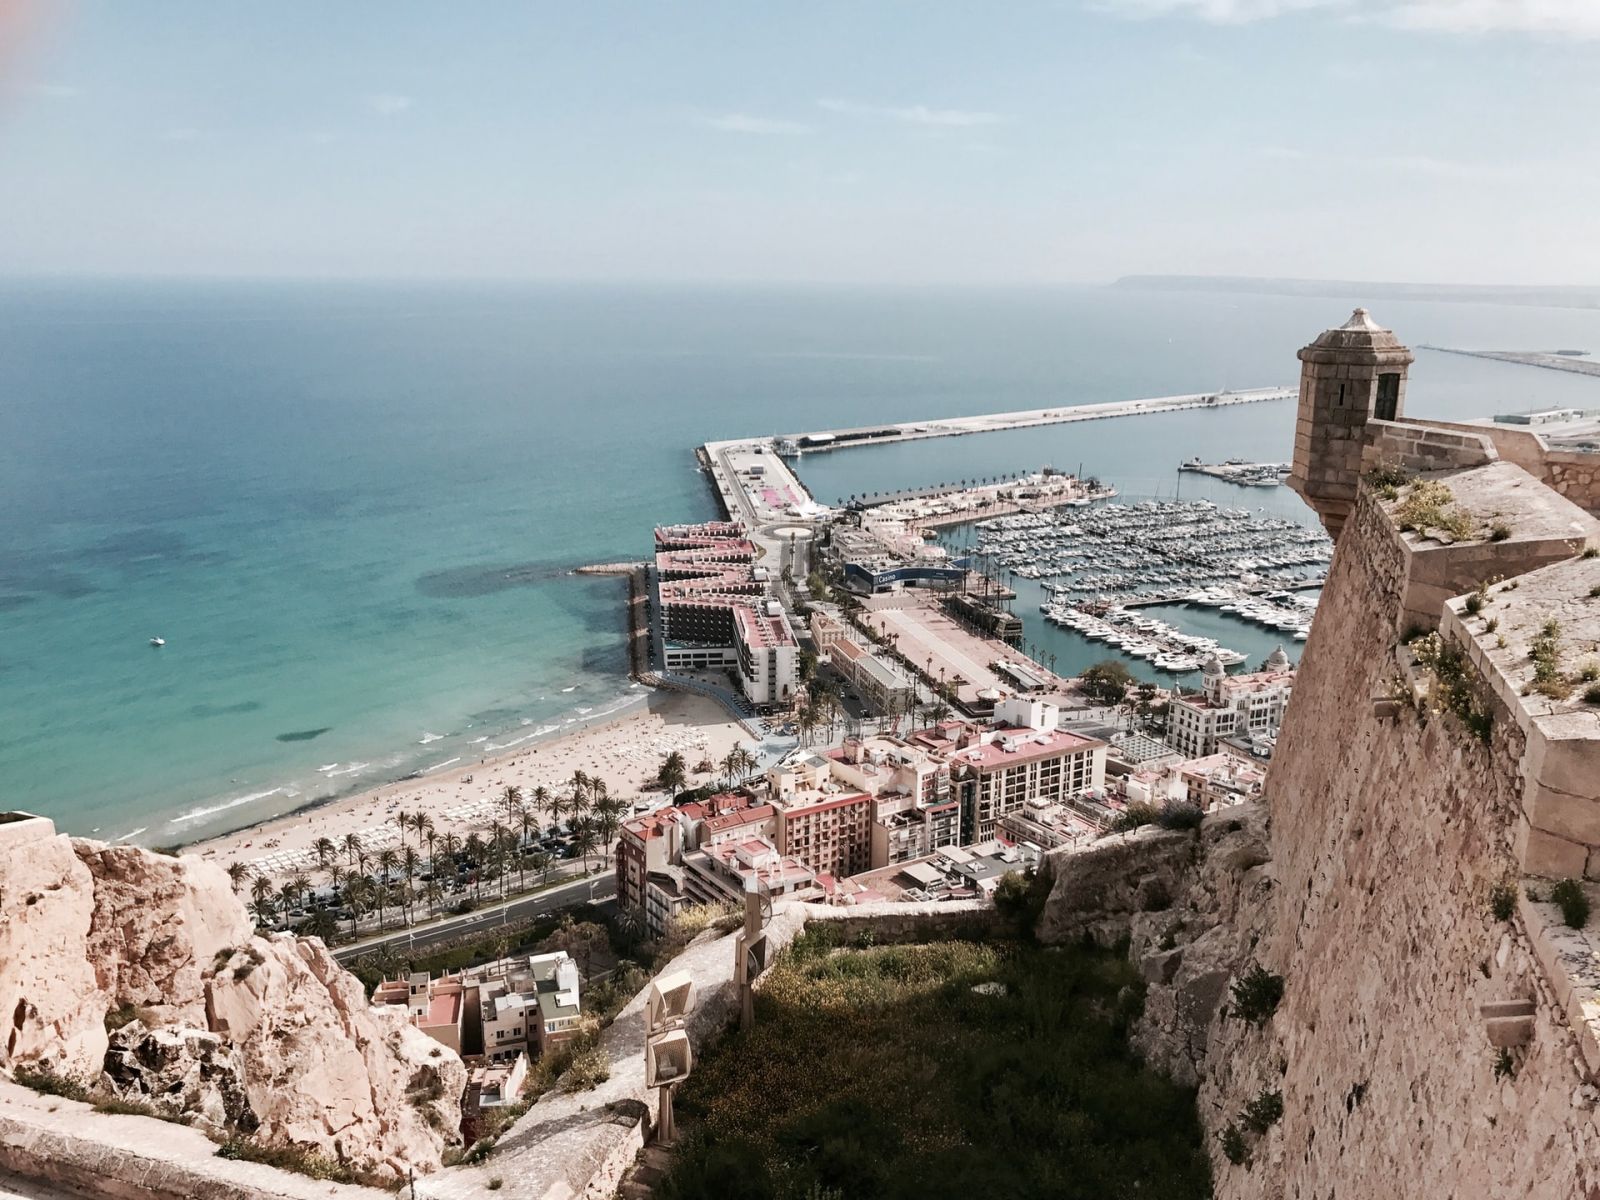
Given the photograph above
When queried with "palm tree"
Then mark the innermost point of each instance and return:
(423, 824)
(261, 894)
(541, 800)
(525, 822)
(674, 773)
(357, 898)
(238, 872)
(449, 844)
(318, 924)
(432, 893)
(541, 863)
(286, 902)
(388, 862)
(584, 839)
(512, 796)
(496, 849)
(351, 845)
(474, 850)
(410, 867)
(325, 851)
(607, 820)
(336, 876)
(403, 819)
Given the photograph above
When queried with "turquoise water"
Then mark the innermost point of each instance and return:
(352, 510)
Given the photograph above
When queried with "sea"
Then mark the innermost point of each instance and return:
(353, 510)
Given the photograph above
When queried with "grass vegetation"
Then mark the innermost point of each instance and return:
(1568, 895)
(301, 1161)
(1177, 815)
(1430, 508)
(1545, 652)
(1454, 689)
(1256, 995)
(45, 1081)
(1503, 900)
(1387, 479)
(899, 1080)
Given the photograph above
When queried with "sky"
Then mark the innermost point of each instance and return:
(887, 141)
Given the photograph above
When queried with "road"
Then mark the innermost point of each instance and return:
(604, 887)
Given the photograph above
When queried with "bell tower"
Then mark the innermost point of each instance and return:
(1349, 376)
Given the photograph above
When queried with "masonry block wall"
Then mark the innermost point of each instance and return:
(1388, 834)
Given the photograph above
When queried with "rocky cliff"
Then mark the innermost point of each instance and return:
(139, 975)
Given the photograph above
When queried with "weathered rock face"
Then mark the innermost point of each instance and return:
(158, 921)
(1100, 889)
(182, 1072)
(52, 1010)
(267, 1037)
(323, 1068)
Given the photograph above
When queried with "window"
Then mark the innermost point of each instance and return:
(1388, 397)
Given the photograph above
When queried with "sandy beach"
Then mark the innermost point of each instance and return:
(625, 752)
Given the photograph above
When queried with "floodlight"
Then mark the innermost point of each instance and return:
(671, 998)
(751, 957)
(668, 1059)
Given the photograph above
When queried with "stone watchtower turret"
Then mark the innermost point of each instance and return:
(1351, 375)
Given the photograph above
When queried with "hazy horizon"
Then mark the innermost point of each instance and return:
(1445, 142)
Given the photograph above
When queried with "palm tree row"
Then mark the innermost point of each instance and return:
(393, 877)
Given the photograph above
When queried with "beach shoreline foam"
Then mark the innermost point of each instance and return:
(623, 746)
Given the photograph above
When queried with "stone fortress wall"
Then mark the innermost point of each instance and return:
(1425, 1045)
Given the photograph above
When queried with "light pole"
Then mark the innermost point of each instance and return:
(668, 1057)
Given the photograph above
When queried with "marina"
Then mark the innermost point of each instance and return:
(1096, 567)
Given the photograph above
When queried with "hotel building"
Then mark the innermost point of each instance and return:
(995, 771)
(1249, 706)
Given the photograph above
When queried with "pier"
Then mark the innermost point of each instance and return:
(905, 431)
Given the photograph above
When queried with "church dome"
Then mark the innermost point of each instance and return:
(1212, 667)
(1277, 660)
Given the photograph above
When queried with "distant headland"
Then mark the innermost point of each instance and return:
(1536, 296)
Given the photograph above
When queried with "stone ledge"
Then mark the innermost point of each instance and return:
(68, 1144)
(1570, 962)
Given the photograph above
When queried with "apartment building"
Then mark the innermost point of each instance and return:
(722, 874)
(1005, 768)
(498, 1010)
(880, 681)
(530, 1008)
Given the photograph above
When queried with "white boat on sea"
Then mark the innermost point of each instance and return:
(158, 642)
